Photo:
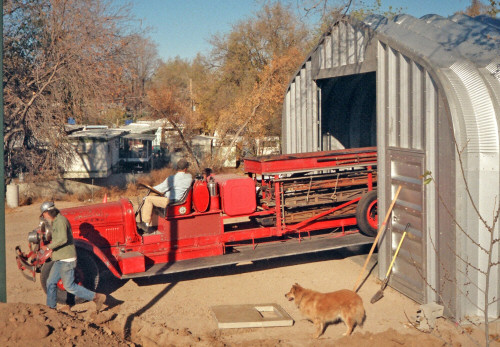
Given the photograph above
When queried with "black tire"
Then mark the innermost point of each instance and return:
(366, 214)
(86, 274)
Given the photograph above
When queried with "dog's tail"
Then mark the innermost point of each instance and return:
(360, 315)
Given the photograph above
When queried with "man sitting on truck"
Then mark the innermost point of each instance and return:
(173, 188)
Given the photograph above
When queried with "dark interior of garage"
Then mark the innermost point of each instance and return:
(348, 111)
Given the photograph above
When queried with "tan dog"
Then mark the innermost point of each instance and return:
(323, 308)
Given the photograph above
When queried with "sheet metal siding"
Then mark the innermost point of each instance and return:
(383, 167)
(478, 112)
(475, 110)
(307, 112)
(402, 98)
(302, 117)
(406, 102)
(286, 138)
(315, 116)
(417, 105)
(392, 100)
(410, 267)
(292, 121)
(344, 45)
(491, 75)
(442, 239)
(430, 137)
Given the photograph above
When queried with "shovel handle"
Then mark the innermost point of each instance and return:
(395, 255)
(378, 295)
(379, 233)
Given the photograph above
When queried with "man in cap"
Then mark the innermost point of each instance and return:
(64, 258)
(173, 188)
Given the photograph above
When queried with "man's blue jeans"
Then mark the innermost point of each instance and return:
(66, 272)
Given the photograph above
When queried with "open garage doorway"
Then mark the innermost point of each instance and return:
(348, 111)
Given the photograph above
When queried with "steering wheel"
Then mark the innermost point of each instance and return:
(151, 189)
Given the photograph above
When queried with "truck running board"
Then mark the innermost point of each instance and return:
(262, 251)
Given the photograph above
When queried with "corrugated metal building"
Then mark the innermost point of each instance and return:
(422, 91)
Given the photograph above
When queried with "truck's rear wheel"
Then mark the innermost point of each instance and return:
(366, 214)
(86, 274)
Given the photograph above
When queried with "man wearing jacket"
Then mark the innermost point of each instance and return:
(64, 258)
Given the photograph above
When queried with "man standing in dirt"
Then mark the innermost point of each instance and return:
(64, 258)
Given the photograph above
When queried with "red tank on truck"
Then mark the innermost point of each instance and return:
(284, 205)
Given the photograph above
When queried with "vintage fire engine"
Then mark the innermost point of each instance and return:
(284, 205)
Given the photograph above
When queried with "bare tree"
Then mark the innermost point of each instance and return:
(140, 62)
(61, 60)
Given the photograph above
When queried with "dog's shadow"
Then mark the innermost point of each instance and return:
(327, 324)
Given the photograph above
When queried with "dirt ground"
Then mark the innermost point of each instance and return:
(176, 310)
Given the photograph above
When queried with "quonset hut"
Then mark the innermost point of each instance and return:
(426, 92)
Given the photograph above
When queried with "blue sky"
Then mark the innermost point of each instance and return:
(183, 27)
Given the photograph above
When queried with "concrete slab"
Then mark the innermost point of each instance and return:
(251, 316)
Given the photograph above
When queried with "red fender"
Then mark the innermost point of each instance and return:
(99, 254)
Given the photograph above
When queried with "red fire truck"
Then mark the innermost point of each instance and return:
(284, 205)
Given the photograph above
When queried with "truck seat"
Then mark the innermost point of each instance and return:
(177, 208)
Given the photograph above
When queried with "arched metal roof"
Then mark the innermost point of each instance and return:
(444, 40)
(464, 52)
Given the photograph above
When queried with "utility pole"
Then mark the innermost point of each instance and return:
(3, 268)
(191, 96)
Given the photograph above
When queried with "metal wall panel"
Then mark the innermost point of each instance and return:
(409, 270)
(327, 56)
(351, 45)
(286, 137)
(476, 120)
(361, 43)
(292, 116)
(399, 120)
(417, 109)
(430, 137)
(491, 75)
(309, 114)
(336, 47)
(407, 109)
(404, 97)
(480, 121)
(315, 117)
(344, 45)
(302, 124)
(391, 101)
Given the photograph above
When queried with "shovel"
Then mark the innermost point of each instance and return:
(380, 294)
(381, 230)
